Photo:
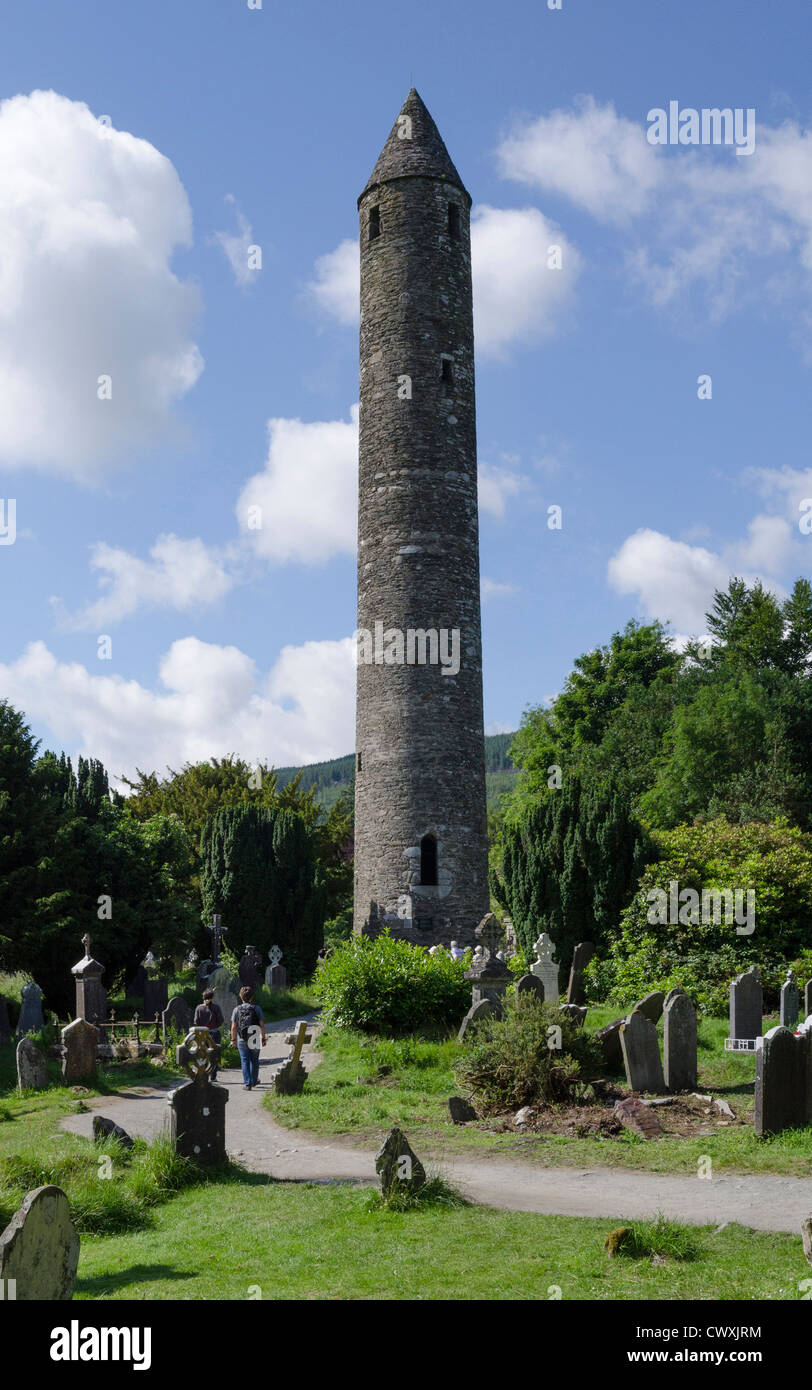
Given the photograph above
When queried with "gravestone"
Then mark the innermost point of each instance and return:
(806, 1237)
(746, 1005)
(672, 993)
(461, 1111)
(609, 1040)
(581, 957)
(178, 1015)
(276, 976)
(5, 1026)
(224, 995)
(197, 1108)
(783, 1081)
(679, 1043)
(204, 970)
(484, 1009)
(91, 996)
(576, 1013)
(79, 1042)
(32, 1073)
(545, 968)
(135, 988)
(641, 1054)
(488, 975)
(156, 998)
(108, 1129)
(291, 1077)
(39, 1249)
(651, 1005)
(30, 1020)
(250, 966)
(397, 1165)
(808, 998)
(790, 1001)
(635, 1115)
(531, 984)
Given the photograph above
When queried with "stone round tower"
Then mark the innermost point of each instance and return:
(420, 818)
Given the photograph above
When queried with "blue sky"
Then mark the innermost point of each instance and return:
(124, 252)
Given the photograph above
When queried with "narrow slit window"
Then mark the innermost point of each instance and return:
(453, 221)
(374, 223)
(358, 763)
(428, 861)
(447, 374)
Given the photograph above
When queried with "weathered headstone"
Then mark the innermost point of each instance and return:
(39, 1249)
(641, 1054)
(197, 1108)
(581, 957)
(679, 1043)
(790, 1001)
(488, 975)
(397, 1165)
(108, 1129)
(576, 1013)
(783, 1081)
(636, 1116)
(32, 1073)
(545, 968)
(224, 995)
(91, 996)
(806, 1237)
(609, 1040)
(651, 1005)
(249, 967)
(746, 1005)
(276, 976)
(204, 970)
(156, 997)
(5, 1026)
(484, 1009)
(461, 1111)
(531, 984)
(79, 1042)
(291, 1076)
(177, 1015)
(30, 1020)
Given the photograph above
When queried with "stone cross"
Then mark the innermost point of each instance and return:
(545, 968)
(489, 976)
(197, 1054)
(275, 955)
(290, 1077)
(217, 931)
(489, 933)
(790, 1001)
(197, 1108)
(297, 1040)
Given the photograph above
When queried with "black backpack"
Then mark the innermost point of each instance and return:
(247, 1018)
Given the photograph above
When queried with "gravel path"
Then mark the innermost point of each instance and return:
(762, 1202)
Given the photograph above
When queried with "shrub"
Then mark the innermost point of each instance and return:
(435, 1192)
(658, 1237)
(390, 986)
(510, 1062)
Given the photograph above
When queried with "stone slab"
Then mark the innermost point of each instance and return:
(39, 1249)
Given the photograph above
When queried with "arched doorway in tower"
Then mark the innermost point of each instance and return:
(428, 862)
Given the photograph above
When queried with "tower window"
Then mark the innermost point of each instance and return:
(358, 762)
(374, 223)
(454, 221)
(428, 861)
(447, 374)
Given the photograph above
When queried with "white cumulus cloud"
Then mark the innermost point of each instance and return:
(89, 219)
(180, 574)
(336, 283)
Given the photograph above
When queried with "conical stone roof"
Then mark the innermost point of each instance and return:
(422, 156)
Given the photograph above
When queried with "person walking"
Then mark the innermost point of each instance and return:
(210, 1015)
(247, 1024)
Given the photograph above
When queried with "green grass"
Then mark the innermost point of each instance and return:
(248, 1233)
(348, 1095)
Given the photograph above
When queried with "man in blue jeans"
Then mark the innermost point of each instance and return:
(247, 1026)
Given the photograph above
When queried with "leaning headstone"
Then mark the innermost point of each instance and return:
(790, 1001)
(276, 976)
(197, 1108)
(79, 1042)
(5, 1026)
(156, 997)
(679, 1044)
(609, 1040)
(30, 1020)
(461, 1111)
(291, 1076)
(484, 1009)
(397, 1165)
(250, 966)
(108, 1129)
(39, 1249)
(746, 1007)
(783, 1081)
(32, 1073)
(641, 1054)
(652, 1005)
(545, 968)
(177, 1015)
(224, 995)
(581, 957)
(531, 984)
